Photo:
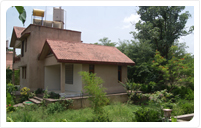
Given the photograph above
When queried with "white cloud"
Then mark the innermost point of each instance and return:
(129, 21)
(133, 18)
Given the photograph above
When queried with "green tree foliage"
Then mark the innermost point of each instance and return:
(22, 13)
(161, 26)
(175, 72)
(141, 53)
(106, 42)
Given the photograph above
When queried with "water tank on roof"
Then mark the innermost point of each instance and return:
(57, 24)
(58, 14)
(47, 23)
(38, 12)
(37, 21)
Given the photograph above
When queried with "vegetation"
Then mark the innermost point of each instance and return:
(22, 13)
(97, 96)
(106, 42)
(117, 112)
(164, 73)
(9, 73)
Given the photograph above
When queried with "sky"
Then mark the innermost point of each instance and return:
(95, 22)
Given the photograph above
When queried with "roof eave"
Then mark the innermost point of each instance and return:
(94, 62)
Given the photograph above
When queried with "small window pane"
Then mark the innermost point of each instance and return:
(69, 74)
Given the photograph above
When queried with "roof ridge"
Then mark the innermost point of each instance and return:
(82, 43)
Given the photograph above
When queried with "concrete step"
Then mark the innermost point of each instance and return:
(37, 98)
(35, 101)
(18, 105)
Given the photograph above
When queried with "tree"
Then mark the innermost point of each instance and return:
(106, 42)
(161, 26)
(22, 13)
(175, 72)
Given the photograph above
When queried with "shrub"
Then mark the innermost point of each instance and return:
(187, 108)
(55, 107)
(10, 88)
(32, 94)
(93, 86)
(184, 92)
(39, 91)
(46, 95)
(9, 73)
(54, 95)
(146, 115)
(67, 103)
(25, 93)
(102, 118)
(10, 108)
(9, 99)
(189, 95)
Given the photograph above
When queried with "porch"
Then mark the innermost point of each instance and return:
(64, 79)
(67, 94)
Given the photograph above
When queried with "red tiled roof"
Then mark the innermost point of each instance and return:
(18, 31)
(87, 53)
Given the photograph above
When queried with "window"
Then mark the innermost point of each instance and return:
(22, 49)
(119, 73)
(91, 68)
(69, 74)
(24, 72)
(25, 43)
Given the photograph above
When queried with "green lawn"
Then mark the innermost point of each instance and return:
(117, 112)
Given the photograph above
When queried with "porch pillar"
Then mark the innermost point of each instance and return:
(62, 74)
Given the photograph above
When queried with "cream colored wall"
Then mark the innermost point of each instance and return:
(52, 77)
(109, 74)
(35, 43)
(50, 60)
(77, 79)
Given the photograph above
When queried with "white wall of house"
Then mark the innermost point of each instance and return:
(77, 79)
(52, 77)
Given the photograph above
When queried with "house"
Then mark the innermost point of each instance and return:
(52, 57)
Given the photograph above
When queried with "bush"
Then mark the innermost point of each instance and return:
(39, 91)
(93, 86)
(184, 92)
(189, 95)
(55, 107)
(54, 95)
(187, 108)
(9, 73)
(9, 99)
(10, 88)
(147, 115)
(102, 118)
(25, 93)
(32, 94)
(10, 108)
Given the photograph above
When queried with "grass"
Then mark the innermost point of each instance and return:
(117, 112)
